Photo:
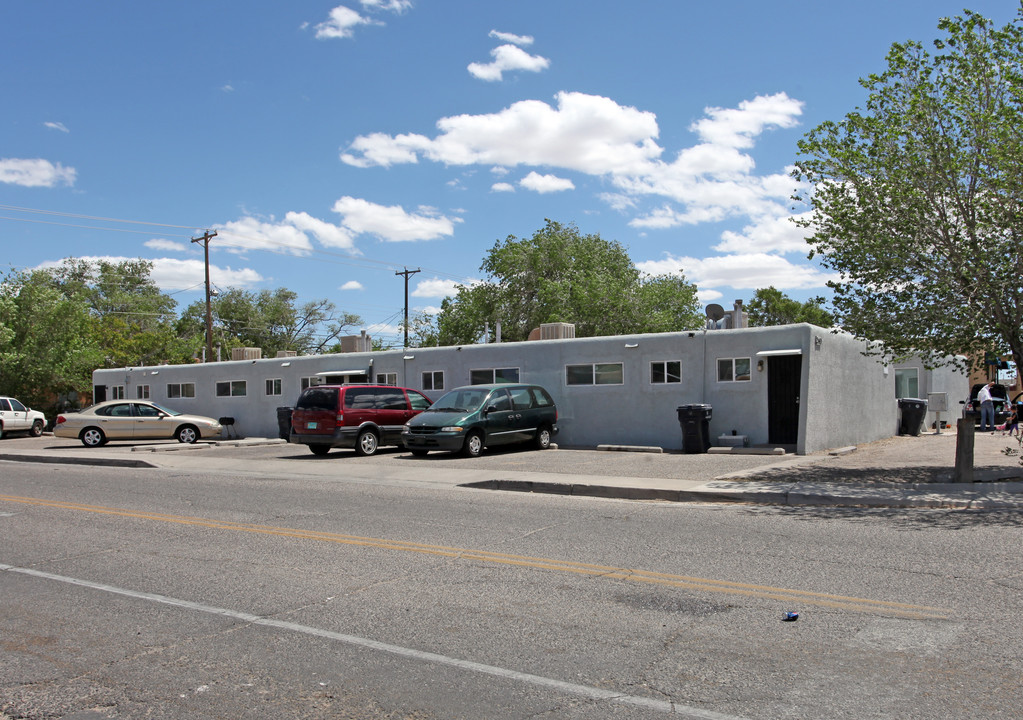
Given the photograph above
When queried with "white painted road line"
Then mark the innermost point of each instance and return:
(565, 687)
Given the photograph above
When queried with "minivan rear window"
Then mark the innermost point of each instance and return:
(318, 399)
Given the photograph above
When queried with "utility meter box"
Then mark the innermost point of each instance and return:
(937, 401)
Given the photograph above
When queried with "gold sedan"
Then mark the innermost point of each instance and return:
(133, 420)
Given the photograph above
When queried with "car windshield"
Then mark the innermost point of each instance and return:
(161, 408)
(459, 401)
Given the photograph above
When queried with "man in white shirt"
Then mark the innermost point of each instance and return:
(987, 408)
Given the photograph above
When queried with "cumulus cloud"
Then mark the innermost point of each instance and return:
(253, 234)
(507, 58)
(57, 126)
(745, 271)
(502, 187)
(586, 133)
(327, 234)
(342, 21)
(171, 274)
(770, 234)
(35, 172)
(436, 288)
(392, 223)
(351, 285)
(545, 183)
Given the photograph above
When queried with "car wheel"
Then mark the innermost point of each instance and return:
(419, 453)
(320, 450)
(187, 434)
(37, 428)
(92, 437)
(367, 443)
(473, 444)
(542, 441)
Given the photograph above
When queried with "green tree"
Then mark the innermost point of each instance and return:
(422, 330)
(47, 344)
(270, 320)
(561, 275)
(916, 199)
(771, 306)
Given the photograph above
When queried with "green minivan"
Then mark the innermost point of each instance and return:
(470, 418)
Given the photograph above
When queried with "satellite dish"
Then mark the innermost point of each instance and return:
(715, 312)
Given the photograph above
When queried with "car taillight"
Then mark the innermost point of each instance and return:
(60, 419)
(339, 420)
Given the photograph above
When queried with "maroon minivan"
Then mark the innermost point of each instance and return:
(363, 417)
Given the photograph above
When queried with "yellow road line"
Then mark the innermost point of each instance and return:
(792, 597)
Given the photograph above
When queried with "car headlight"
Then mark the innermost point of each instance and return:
(451, 428)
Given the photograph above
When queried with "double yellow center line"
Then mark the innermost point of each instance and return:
(790, 598)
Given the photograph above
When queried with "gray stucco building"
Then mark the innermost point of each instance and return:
(798, 386)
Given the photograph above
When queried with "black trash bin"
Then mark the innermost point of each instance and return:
(694, 420)
(913, 410)
(284, 422)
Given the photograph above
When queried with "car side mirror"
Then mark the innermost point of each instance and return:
(962, 402)
(490, 409)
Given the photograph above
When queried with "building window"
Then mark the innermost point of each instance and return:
(142, 392)
(231, 388)
(117, 392)
(387, 378)
(309, 382)
(433, 380)
(595, 374)
(907, 383)
(493, 375)
(666, 371)
(273, 386)
(180, 390)
(733, 369)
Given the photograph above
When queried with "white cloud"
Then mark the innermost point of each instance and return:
(586, 133)
(436, 288)
(748, 271)
(35, 172)
(392, 223)
(736, 127)
(545, 183)
(57, 126)
(172, 274)
(505, 37)
(352, 285)
(252, 234)
(329, 235)
(168, 245)
(506, 59)
(341, 23)
(502, 187)
(769, 234)
(396, 6)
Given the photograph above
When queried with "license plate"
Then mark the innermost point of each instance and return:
(310, 426)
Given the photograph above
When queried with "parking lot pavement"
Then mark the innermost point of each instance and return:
(896, 472)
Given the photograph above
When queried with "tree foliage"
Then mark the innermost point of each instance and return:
(270, 320)
(771, 306)
(561, 275)
(916, 199)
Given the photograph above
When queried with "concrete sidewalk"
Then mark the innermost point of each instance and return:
(900, 472)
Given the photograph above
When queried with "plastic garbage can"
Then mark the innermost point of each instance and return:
(284, 422)
(913, 411)
(694, 420)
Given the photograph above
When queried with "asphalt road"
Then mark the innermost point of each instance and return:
(247, 594)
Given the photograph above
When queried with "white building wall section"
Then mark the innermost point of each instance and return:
(845, 397)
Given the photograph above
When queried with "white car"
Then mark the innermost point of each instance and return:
(15, 417)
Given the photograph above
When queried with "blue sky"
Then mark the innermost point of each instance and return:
(332, 145)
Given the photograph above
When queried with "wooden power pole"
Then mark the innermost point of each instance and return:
(205, 240)
(407, 273)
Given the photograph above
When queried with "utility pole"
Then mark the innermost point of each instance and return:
(205, 240)
(407, 273)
